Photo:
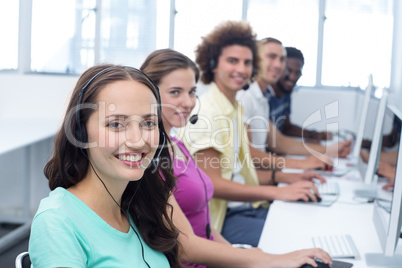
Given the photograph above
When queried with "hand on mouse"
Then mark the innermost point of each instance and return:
(299, 190)
(301, 257)
(340, 149)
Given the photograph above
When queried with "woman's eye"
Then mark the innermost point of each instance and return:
(193, 92)
(174, 92)
(115, 125)
(149, 124)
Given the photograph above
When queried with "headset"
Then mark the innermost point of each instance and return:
(82, 136)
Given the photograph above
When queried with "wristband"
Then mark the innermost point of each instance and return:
(247, 246)
(313, 134)
(273, 177)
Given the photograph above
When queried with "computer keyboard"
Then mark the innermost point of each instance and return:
(338, 246)
(328, 188)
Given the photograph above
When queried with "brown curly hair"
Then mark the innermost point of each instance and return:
(225, 34)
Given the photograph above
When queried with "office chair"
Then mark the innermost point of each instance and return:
(23, 260)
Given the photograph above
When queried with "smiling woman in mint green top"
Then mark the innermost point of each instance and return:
(108, 206)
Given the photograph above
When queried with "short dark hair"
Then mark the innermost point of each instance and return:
(225, 34)
(293, 52)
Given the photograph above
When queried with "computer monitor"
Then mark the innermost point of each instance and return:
(387, 216)
(373, 132)
(354, 156)
(375, 149)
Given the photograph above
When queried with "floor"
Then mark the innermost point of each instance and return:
(7, 258)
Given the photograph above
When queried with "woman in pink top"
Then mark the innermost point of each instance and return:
(176, 76)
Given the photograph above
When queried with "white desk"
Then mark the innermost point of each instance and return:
(290, 226)
(17, 133)
(24, 136)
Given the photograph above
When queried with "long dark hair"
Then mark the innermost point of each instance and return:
(149, 209)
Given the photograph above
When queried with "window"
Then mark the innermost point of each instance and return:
(294, 23)
(357, 42)
(70, 36)
(346, 39)
(62, 39)
(193, 21)
(9, 31)
(357, 37)
(128, 31)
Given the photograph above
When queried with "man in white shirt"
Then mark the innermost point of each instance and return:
(262, 132)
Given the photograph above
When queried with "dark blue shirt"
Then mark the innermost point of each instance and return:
(279, 108)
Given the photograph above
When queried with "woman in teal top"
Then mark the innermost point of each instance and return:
(108, 206)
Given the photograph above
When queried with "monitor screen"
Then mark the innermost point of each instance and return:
(363, 122)
(387, 215)
(367, 165)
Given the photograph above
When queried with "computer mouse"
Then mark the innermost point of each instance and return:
(338, 264)
(319, 262)
(311, 200)
(320, 265)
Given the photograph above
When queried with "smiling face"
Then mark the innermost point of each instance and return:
(125, 129)
(177, 90)
(292, 74)
(273, 57)
(233, 71)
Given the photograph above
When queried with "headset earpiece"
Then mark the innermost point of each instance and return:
(212, 64)
(80, 130)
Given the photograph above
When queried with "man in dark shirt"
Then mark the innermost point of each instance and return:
(280, 99)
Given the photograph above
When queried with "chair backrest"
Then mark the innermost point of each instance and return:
(23, 260)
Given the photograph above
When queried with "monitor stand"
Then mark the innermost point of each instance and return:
(370, 190)
(379, 260)
(366, 191)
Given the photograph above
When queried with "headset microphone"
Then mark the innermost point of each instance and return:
(194, 118)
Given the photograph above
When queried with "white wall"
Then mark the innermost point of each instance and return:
(306, 101)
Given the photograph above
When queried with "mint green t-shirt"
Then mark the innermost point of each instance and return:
(67, 233)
